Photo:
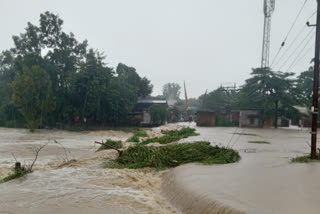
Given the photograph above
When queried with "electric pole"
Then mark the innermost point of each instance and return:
(315, 88)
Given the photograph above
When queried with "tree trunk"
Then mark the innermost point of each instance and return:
(276, 115)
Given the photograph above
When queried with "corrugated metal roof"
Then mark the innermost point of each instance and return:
(152, 101)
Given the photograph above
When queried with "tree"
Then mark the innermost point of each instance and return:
(89, 87)
(304, 87)
(121, 98)
(81, 82)
(268, 90)
(158, 114)
(32, 94)
(129, 74)
(219, 99)
(171, 91)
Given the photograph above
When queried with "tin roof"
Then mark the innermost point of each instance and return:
(152, 101)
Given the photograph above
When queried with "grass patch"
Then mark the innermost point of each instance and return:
(17, 173)
(140, 156)
(304, 159)
(172, 136)
(110, 144)
(260, 142)
(136, 136)
(223, 122)
(248, 134)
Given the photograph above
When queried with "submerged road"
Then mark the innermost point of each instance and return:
(264, 181)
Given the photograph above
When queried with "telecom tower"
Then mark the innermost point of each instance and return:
(268, 8)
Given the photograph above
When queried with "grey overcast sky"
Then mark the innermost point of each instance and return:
(204, 42)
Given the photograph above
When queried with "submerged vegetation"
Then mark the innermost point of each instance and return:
(140, 156)
(304, 159)
(136, 136)
(17, 173)
(172, 136)
(259, 142)
(110, 144)
(247, 134)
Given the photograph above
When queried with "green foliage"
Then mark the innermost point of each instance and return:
(129, 75)
(32, 94)
(304, 87)
(110, 144)
(17, 173)
(268, 90)
(223, 122)
(140, 156)
(260, 142)
(136, 136)
(304, 159)
(82, 84)
(219, 99)
(158, 114)
(172, 136)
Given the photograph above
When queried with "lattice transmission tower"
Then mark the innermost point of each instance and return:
(268, 8)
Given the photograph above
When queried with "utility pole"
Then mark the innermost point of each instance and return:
(315, 88)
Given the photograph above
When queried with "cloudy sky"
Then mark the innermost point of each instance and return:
(204, 42)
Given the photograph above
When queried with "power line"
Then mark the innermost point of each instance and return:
(297, 59)
(295, 21)
(285, 40)
(296, 49)
(291, 43)
(286, 51)
(303, 56)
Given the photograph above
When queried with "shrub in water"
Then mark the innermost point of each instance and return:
(140, 156)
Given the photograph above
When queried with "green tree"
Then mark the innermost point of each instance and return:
(121, 98)
(81, 82)
(304, 87)
(268, 90)
(129, 75)
(89, 88)
(32, 94)
(219, 99)
(158, 114)
(171, 91)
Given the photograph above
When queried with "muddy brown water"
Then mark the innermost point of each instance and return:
(263, 182)
(78, 187)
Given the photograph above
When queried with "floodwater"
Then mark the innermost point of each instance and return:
(264, 181)
(81, 186)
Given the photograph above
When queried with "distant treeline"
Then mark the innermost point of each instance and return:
(277, 94)
(49, 78)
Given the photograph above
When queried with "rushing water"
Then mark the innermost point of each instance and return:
(78, 187)
(264, 181)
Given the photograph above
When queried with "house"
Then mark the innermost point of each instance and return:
(140, 113)
(250, 118)
(206, 118)
(239, 118)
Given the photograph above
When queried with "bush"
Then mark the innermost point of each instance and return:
(304, 159)
(223, 122)
(17, 173)
(110, 144)
(158, 114)
(140, 156)
(136, 136)
(172, 136)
